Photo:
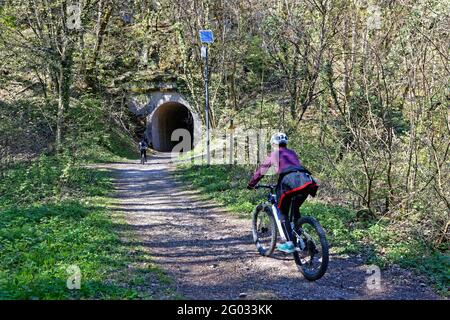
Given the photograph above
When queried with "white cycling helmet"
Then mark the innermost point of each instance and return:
(278, 138)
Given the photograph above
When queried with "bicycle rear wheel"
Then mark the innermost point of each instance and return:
(312, 254)
(264, 230)
(142, 159)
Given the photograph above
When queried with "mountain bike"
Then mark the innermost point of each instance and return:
(311, 247)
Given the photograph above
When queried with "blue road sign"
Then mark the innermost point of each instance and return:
(206, 36)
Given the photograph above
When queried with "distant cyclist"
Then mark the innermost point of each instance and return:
(143, 146)
(293, 180)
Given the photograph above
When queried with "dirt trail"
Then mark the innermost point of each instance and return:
(210, 255)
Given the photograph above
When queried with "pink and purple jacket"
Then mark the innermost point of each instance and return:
(279, 159)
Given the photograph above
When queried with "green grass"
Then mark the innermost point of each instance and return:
(54, 214)
(379, 242)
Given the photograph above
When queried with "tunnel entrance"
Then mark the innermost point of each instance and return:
(167, 118)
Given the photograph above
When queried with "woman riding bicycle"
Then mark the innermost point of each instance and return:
(294, 183)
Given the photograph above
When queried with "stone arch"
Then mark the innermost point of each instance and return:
(166, 112)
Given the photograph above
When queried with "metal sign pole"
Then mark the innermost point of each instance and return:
(208, 151)
(206, 36)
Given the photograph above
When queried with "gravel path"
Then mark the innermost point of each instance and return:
(210, 255)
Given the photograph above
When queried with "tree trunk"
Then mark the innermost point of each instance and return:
(65, 73)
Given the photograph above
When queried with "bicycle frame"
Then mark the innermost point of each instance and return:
(277, 216)
(272, 199)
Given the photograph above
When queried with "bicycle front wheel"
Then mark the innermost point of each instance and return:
(264, 230)
(312, 254)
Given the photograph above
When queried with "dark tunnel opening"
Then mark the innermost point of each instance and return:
(167, 118)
